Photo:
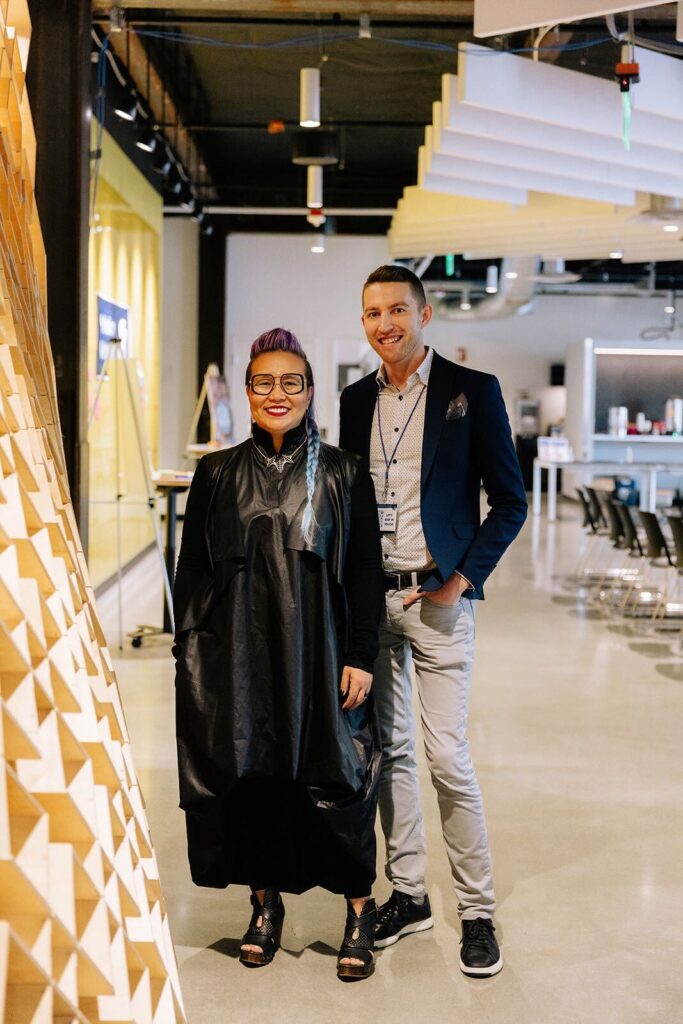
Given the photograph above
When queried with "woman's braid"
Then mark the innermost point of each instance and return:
(309, 523)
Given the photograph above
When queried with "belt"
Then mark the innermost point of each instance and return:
(401, 580)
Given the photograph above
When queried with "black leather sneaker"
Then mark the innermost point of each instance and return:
(480, 956)
(401, 915)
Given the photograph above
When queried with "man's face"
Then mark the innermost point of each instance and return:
(393, 322)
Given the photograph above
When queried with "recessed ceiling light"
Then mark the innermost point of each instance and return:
(465, 305)
(669, 309)
(511, 275)
(671, 227)
(616, 254)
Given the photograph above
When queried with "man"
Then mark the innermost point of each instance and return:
(433, 432)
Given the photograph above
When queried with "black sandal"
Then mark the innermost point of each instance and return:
(265, 929)
(358, 943)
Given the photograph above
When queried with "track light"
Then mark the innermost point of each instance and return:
(162, 162)
(314, 189)
(309, 99)
(174, 183)
(491, 279)
(147, 140)
(318, 243)
(127, 108)
(187, 199)
(465, 303)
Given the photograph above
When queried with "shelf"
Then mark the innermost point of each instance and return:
(640, 438)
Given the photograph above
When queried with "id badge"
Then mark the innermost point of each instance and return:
(388, 514)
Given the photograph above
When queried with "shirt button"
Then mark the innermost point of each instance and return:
(395, 461)
(393, 493)
(396, 430)
(386, 556)
(400, 398)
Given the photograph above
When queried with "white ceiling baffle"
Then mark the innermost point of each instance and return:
(493, 18)
(526, 90)
(526, 158)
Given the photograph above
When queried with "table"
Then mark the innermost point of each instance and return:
(646, 472)
(171, 485)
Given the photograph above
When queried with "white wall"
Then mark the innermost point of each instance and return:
(521, 349)
(178, 337)
(274, 280)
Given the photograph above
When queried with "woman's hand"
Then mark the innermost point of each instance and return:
(355, 686)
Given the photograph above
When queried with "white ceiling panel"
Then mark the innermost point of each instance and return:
(492, 18)
(548, 226)
(524, 178)
(468, 147)
(492, 125)
(536, 91)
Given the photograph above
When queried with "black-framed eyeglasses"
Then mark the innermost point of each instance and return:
(263, 383)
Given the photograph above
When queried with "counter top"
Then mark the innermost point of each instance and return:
(640, 438)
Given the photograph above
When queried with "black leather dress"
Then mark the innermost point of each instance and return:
(278, 783)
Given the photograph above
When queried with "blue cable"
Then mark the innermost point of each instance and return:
(318, 38)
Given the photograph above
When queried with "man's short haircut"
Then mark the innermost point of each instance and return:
(394, 272)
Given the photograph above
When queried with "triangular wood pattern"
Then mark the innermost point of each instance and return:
(84, 934)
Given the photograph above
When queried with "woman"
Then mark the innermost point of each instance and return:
(278, 596)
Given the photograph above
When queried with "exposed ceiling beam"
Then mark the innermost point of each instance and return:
(168, 19)
(261, 126)
(411, 8)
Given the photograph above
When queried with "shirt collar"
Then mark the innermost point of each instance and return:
(421, 374)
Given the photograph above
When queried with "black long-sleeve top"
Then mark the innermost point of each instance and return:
(362, 571)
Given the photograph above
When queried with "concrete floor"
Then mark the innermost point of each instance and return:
(576, 734)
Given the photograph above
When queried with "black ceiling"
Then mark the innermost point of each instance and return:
(230, 75)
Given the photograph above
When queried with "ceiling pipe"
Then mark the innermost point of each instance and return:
(288, 211)
(513, 295)
(423, 265)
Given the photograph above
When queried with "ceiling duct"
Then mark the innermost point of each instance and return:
(514, 295)
(553, 272)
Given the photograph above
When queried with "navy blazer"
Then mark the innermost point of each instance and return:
(459, 454)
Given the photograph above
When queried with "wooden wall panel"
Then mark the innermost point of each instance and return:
(83, 931)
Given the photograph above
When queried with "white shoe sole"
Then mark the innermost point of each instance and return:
(482, 972)
(408, 929)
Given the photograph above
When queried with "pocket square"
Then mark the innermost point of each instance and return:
(457, 407)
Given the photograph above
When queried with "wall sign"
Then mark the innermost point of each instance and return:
(112, 322)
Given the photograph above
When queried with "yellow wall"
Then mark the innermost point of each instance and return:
(124, 266)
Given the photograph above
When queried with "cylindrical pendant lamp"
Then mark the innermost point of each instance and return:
(314, 190)
(492, 279)
(309, 104)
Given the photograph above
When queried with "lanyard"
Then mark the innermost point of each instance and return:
(388, 461)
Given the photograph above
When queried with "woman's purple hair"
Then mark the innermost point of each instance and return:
(280, 340)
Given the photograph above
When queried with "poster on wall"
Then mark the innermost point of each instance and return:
(112, 322)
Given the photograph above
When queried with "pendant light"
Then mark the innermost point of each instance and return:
(309, 105)
(314, 190)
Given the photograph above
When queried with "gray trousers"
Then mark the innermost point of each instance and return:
(438, 640)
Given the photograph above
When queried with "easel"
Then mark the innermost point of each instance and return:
(115, 352)
(217, 437)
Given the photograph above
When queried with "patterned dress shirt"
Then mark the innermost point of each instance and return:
(404, 549)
